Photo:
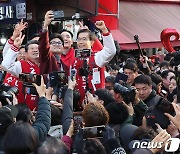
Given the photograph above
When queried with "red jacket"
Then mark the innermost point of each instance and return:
(48, 62)
(81, 80)
(18, 67)
(30, 67)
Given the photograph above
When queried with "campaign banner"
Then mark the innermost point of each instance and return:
(12, 11)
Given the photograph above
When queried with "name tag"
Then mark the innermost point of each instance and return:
(96, 76)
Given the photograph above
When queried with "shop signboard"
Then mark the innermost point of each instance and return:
(12, 11)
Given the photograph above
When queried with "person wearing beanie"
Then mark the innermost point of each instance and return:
(113, 146)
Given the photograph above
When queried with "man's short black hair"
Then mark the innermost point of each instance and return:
(104, 95)
(65, 30)
(92, 36)
(56, 35)
(156, 78)
(34, 35)
(164, 64)
(29, 43)
(131, 65)
(143, 79)
(110, 79)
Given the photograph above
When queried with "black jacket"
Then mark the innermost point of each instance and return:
(43, 118)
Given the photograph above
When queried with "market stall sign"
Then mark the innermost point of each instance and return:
(13, 10)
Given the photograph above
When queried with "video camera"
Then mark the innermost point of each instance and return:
(6, 92)
(128, 93)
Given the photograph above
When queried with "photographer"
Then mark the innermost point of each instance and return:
(31, 65)
(90, 69)
(129, 98)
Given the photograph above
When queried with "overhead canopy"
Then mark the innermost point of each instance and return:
(146, 20)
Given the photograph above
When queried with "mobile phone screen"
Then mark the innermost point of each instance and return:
(77, 116)
(93, 132)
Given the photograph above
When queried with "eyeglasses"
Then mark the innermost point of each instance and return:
(56, 43)
(82, 39)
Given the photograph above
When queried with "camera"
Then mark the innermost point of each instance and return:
(58, 14)
(128, 93)
(82, 53)
(76, 15)
(27, 80)
(6, 92)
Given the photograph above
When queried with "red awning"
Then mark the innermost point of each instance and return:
(146, 20)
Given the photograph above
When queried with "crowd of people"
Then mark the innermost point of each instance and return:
(56, 99)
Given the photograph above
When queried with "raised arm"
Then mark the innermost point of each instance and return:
(19, 27)
(44, 37)
(8, 62)
(43, 115)
(67, 114)
(109, 50)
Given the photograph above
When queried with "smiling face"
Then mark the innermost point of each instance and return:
(68, 41)
(33, 52)
(83, 41)
(21, 55)
(56, 45)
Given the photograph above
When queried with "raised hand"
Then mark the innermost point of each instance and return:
(81, 26)
(176, 118)
(71, 84)
(163, 136)
(129, 108)
(41, 90)
(19, 27)
(101, 25)
(18, 41)
(49, 16)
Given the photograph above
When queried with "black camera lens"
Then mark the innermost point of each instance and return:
(128, 93)
(14, 90)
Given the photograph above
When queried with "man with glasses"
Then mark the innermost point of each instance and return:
(50, 48)
(65, 55)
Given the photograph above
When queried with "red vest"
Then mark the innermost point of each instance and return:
(30, 67)
(81, 80)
